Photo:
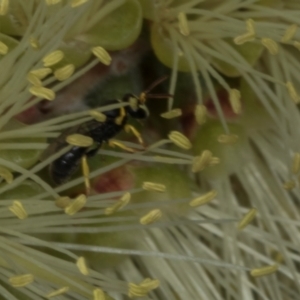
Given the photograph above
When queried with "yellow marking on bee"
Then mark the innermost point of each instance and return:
(264, 271)
(227, 138)
(202, 161)
(18, 209)
(98, 294)
(34, 43)
(151, 217)
(235, 100)
(113, 143)
(79, 140)
(133, 102)
(58, 292)
(6, 175)
(123, 201)
(180, 140)
(4, 4)
(183, 24)
(129, 128)
(97, 115)
(81, 265)
(86, 173)
(153, 186)
(289, 33)
(247, 219)
(76, 205)
(121, 117)
(204, 199)
(174, 113)
(3, 48)
(142, 289)
(53, 58)
(42, 92)
(143, 98)
(271, 45)
(200, 114)
(52, 2)
(21, 280)
(102, 55)
(65, 72)
(76, 3)
(292, 92)
(63, 202)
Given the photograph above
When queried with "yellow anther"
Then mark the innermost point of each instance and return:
(58, 292)
(6, 175)
(41, 73)
(250, 26)
(3, 48)
(79, 140)
(102, 54)
(174, 113)
(142, 289)
(34, 80)
(42, 92)
(63, 202)
(247, 218)
(4, 4)
(151, 217)
(296, 163)
(34, 43)
(129, 128)
(98, 294)
(289, 185)
(76, 3)
(183, 24)
(76, 205)
(227, 138)
(292, 92)
(52, 2)
(81, 265)
(244, 38)
(113, 143)
(264, 271)
(202, 161)
(271, 45)
(86, 173)
(296, 45)
(65, 72)
(21, 280)
(235, 100)
(53, 58)
(200, 114)
(97, 115)
(214, 161)
(155, 187)
(18, 209)
(119, 120)
(123, 201)
(180, 140)
(289, 33)
(204, 199)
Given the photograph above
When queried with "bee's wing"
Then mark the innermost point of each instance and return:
(59, 142)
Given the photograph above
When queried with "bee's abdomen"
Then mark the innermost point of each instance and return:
(63, 167)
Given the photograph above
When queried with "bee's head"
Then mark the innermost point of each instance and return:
(136, 108)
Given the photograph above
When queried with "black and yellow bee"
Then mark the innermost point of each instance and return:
(116, 119)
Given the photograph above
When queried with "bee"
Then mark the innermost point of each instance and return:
(116, 120)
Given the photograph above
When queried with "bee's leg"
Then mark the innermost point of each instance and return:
(86, 173)
(93, 151)
(114, 143)
(129, 128)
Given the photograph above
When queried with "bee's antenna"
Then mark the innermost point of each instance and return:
(145, 94)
